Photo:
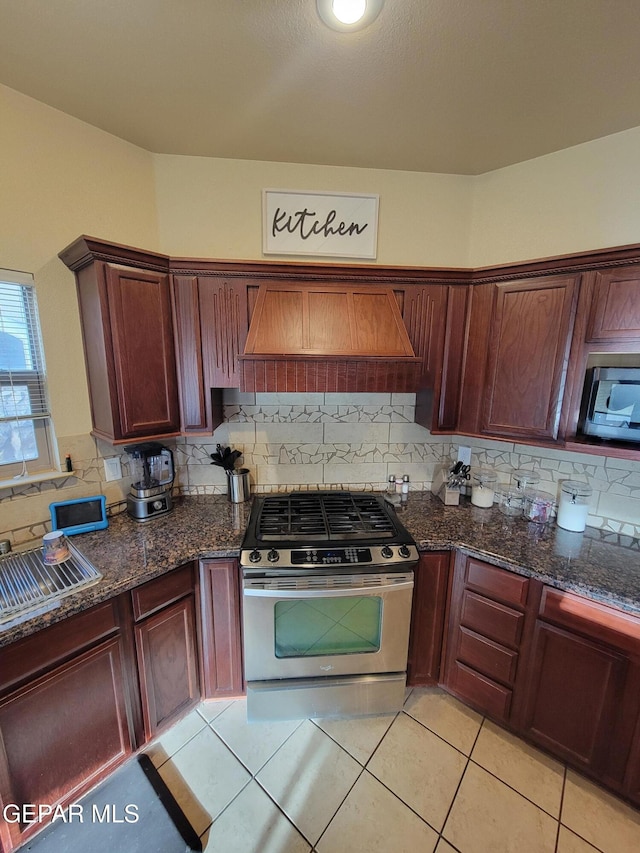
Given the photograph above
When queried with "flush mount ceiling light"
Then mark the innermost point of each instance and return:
(348, 15)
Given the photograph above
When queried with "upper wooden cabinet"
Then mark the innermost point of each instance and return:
(127, 331)
(615, 308)
(517, 355)
(498, 352)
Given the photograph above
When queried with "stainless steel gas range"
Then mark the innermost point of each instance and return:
(327, 588)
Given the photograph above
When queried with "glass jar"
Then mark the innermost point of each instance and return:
(538, 506)
(483, 488)
(525, 479)
(511, 501)
(574, 505)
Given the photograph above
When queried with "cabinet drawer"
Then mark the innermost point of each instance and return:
(497, 583)
(40, 651)
(487, 657)
(611, 626)
(159, 593)
(491, 619)
(481, 692)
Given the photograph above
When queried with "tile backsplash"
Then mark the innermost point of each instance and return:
(311, 441)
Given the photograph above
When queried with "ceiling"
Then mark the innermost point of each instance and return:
(453, 86)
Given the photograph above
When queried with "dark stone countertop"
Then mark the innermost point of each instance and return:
(600, 565)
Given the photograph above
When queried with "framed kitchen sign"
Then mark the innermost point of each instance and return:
(316, 223)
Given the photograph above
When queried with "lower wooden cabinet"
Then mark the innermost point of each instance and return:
(558, 669)
(486, 621)
(166, 647)
(62, 732)
(168, 664)
(572, 697)
(221, 633)
(431, 576)
(582, 698)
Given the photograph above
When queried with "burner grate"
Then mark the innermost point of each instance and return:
(322, 517)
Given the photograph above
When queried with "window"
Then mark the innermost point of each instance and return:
(27, 446)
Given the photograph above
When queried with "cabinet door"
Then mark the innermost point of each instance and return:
(141, 333)
(529, 342)
(186, 306)
(427, 618)
(424, 312)
(168, 664)
(64, 731)
(435, 317)
(570, 707)
(221, 635)
(615, 309)
(224, 323)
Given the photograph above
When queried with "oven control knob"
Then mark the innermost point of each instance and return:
(273, 556)
(255, 556)
(386, 552)
(404, 551)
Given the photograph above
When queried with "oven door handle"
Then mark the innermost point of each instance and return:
(330, 592)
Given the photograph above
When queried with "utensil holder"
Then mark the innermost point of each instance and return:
(239, 486)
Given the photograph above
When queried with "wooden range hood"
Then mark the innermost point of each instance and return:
(327, 337)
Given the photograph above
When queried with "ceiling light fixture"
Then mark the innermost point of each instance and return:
(348, 15)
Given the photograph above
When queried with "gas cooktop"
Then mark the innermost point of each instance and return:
(314, 529)
(322, 516)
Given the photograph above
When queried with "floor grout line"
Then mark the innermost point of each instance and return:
(363, 767)
(453, 799)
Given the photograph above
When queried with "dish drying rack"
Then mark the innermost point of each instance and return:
(29, 586)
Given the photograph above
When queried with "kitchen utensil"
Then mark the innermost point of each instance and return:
(152, 470)
(239, 485)
(458, 475)
(225, 457)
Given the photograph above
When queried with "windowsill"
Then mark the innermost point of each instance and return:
(44, 477)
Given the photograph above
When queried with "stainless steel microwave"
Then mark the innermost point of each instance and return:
(611, 403)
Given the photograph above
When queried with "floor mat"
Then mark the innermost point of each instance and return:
(133, 811)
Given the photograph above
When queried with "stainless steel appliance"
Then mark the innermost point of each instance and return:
(152, 471)
(611, 403)
(327, 588)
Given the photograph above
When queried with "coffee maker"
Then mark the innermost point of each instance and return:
(152, 471)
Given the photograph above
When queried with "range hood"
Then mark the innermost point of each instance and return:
(327, 337)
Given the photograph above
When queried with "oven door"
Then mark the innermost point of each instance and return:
(310, 627)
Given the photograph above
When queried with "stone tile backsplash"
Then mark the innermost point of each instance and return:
(311, 441)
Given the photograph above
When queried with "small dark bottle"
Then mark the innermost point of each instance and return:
(67, 462)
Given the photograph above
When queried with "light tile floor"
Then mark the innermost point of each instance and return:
(435, 777)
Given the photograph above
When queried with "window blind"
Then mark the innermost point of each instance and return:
(24, 406)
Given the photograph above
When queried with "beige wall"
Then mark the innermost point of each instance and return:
(61, 178)
(213, 208)
(586, 197)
